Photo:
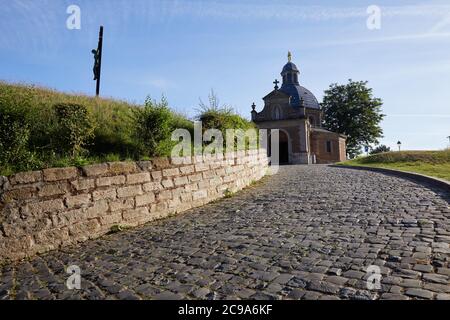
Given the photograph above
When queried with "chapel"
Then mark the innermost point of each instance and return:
(296, 113)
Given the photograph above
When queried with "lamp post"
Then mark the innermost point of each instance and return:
(399, 144)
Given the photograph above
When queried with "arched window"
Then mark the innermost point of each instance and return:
(311, 121)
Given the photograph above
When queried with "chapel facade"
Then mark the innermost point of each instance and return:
(296, 113)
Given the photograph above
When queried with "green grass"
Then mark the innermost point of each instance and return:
(115, 137)
(431, 163)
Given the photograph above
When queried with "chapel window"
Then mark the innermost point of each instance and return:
(329, 146)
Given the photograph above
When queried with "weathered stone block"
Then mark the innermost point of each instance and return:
(145, 199)
(164, 195)
(199, 195)
(121, 204)
(129, 191)
(181, 160)
(113, 218)
(23, 193)
(186, 197)
(187, 169)
(208, 174)
(26, 177)
(78, 200)
(201, 167)
(122, 167)
(167, 183)
(56, 174)
(95, 170)
(171, 172)
(180, 181)
(47, 190)
(156, 175)
(152, 186)
(145, 165)
(203, 184)
(195, 177)
(99, 208)
(43, 207)
(111, 181)
(161, 163)
(138, 178)
(83, 184)
(191, 187)
(134, 214)
(104, 194)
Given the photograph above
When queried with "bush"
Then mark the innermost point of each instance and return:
(153, 125)
(380, 149)
(214, 116)
(14, 139)
(76, 128)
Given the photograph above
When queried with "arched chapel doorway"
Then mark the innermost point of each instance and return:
(283, 143)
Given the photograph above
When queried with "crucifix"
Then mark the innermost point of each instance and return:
(98, 61)
(276, 82)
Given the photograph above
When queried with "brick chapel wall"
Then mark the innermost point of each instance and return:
(52, 208)
(319, 147)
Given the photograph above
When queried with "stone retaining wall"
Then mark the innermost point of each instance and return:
(47, 209)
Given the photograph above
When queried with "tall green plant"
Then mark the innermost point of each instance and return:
(153, 127)
(76, 127)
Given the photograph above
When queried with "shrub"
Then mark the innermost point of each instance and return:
(152, 126)
(214, 116)
(14, 139)
(380, 149)
(76, 128)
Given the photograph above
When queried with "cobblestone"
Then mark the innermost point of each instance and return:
(309, 232)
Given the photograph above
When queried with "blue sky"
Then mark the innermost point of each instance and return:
(184, 48)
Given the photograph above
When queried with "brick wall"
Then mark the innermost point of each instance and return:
(319, 147)
(48, 209)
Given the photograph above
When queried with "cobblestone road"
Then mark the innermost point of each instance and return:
(306, 233)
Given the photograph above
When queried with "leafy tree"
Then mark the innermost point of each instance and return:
(351, 110)
(380, 149)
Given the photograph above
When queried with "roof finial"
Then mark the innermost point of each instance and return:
(289, 56)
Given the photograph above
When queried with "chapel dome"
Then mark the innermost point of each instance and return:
(289, 67)
(299, 93)
(300, 96)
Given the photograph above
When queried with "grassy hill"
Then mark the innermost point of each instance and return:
(28, 119)
(42, 128)
(432, 163)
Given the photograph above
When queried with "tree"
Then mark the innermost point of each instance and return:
(380, 149)
(351, 110)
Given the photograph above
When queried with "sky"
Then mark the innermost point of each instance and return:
(182, 49)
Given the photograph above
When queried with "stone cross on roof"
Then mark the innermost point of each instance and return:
(276, 82)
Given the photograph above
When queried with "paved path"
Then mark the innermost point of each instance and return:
(306, 233)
